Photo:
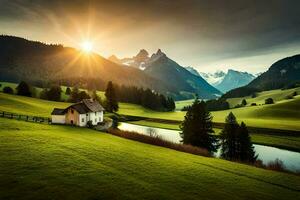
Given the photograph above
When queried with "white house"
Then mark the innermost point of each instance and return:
(79, 114)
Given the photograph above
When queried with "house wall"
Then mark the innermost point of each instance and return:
(58, 119)
(82, 119)
(72, 117)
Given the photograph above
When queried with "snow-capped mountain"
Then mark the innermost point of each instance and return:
(225, 81)
(137, 61)
(234, 79)
(213, 78)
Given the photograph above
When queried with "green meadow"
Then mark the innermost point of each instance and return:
(61, 162)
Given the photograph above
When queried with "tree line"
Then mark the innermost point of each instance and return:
(145, 97)
(113, 94)
(234, 141)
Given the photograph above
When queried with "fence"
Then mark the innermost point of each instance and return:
(28, 118)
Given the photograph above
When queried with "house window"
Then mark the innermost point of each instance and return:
(87, 114)
(82, 120)
(72, 111)
(95, 113)
(99, 119)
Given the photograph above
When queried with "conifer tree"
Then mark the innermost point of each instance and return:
(197, 127)
(229, 138)
(111, 98)
(247, 153)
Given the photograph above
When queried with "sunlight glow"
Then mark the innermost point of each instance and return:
(87, 46)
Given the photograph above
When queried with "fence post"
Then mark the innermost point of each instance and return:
(26, 117)
(12, 115)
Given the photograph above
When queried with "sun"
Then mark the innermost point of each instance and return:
(87, 46)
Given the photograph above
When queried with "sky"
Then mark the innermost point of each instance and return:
(208, 35)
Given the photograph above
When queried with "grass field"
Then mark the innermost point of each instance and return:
(276, 95)
(282, 115)
(60, 162)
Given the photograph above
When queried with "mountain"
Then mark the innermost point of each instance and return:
(163, 68)
(193, 71)
(36, 62)
(234, 79)
(213, 78)
(187, 81)
(137, 61)
(282, 74)
(227, 81)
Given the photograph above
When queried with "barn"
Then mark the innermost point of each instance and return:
(79, 114)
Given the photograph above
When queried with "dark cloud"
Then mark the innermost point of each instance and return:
(228, 28)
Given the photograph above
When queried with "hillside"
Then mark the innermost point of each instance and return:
(282, 74)
(40, 63)
(85, 164)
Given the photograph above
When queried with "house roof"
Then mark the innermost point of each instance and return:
(58, 111)
(85, 106)
(93, 105)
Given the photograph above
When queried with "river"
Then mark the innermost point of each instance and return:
(290, 159)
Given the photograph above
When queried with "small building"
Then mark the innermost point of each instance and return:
(79, 114)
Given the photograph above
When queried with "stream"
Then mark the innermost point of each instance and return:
(290, 159)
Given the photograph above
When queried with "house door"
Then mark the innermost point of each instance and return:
(71, 121)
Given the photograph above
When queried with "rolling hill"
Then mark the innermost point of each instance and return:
(61, 162)
(284, 73)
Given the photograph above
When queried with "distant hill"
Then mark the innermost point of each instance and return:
(284, 73)
(21, 59)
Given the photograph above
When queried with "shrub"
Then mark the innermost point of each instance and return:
(253, 104)
(8, 90)
(276, 165)
(294, 94)
(159, 142)
(254, 95)
(269, 101)
(244, 102)
(24, 89)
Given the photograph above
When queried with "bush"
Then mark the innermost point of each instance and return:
(244, 102)
(269, 101)
(294, 94)
(276, 165)
(159, 142)
(253, 104)
(8, 90)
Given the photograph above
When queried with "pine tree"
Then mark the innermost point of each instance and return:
(111, 98)
(197, 127)
(74, 97)
(244, 102)
(235, 141)
(229, 138)
(247, 153)
(68, 91)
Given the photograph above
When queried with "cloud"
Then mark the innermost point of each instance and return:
(192, 32)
